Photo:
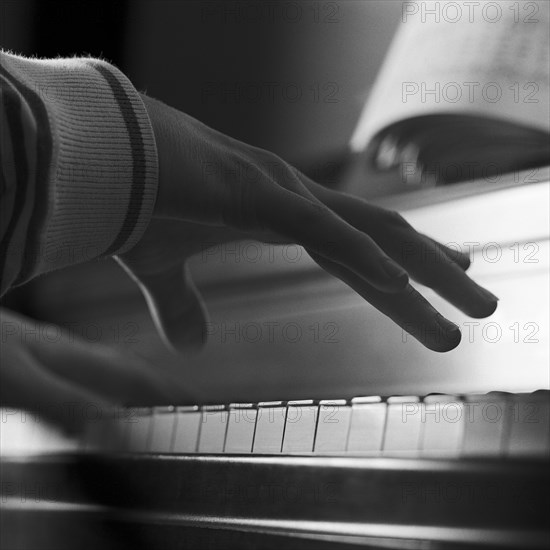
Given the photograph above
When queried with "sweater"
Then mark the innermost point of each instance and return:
(79, 166)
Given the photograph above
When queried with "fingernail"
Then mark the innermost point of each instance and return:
(485, 295)
(394, 271)
(488, 295)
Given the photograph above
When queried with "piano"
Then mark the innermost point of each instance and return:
(351, 436)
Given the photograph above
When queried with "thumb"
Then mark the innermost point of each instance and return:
(175, 305)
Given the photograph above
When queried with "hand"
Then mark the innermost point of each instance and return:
(215, 189)
(52, 372)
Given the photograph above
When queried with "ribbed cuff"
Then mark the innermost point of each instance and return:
(102, 177)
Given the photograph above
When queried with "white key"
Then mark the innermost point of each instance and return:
(528, 425)
(332, 426)
(17, 430)
(368, 418)
(300, 426)
(270, 425)
(443, 418)
(164, 424)
(23, 433)
(186, 433)
(48, 438)
(240, 428)
(403, 426)
(484, 416)
(39, 434)
(138, 430)
(213, 428)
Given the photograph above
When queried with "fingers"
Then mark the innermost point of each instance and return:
(175, 305)
(121, 378)
(115, 376)
(408, 308)
(316, 227)
(455, 255)
(430, 265)
(26, 385)
(428, 262)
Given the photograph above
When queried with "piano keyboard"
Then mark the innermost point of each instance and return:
(482, 425)
(231, 476)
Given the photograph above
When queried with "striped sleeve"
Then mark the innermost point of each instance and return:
(78, 160)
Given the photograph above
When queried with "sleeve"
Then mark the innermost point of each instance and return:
(78, 165)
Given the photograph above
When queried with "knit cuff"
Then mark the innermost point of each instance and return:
(95, 195)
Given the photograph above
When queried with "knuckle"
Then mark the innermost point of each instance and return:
(315, 211)
(397, 220)
(267, 157)
(279, 170)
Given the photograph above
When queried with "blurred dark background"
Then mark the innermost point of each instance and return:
(288, 76)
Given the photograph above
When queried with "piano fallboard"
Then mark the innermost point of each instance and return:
(216, 501)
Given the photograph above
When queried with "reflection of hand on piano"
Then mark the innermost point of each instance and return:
(215, 189)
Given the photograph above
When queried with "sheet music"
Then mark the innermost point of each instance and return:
(486, 59)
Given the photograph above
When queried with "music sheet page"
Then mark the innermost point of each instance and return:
(473, 58)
